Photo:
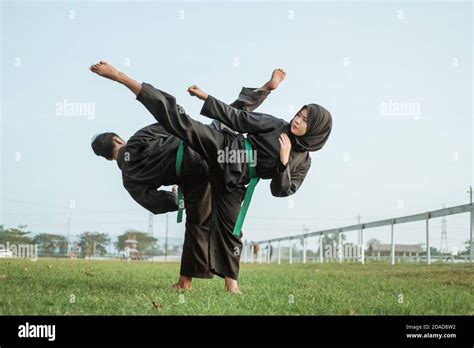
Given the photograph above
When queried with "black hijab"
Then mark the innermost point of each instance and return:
(319, 128)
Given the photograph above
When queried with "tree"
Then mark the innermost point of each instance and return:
(16, 236)
(373, 241)
(175, 249)
(467, 248)
(51, 243)
(145, 242)
(92, 243)
(433, 251)
(331, 238)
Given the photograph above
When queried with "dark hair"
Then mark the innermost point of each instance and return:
(103, 145)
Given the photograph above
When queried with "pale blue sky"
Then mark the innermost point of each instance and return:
(351, 57)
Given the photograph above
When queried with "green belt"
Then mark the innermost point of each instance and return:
(250, 188)
(179, 161)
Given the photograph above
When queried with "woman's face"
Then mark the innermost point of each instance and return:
(299, 123)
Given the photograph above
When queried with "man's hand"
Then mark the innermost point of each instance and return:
(285, 149)
(174, 189)
(195, 91)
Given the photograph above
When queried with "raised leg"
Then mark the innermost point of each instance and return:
(108, 71)
(200, 137)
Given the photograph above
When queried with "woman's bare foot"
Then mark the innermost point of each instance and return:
(184, 283)
(106, 70)
(278, 75)
(231, 286)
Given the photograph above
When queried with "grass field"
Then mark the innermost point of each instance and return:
(81, 287)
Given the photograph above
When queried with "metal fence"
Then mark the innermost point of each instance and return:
(249, 255)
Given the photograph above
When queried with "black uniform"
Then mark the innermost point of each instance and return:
(228, 180)
(147, 161)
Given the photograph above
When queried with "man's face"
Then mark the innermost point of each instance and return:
(299, 123)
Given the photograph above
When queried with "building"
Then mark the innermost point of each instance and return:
(379, 250)
(130, 251)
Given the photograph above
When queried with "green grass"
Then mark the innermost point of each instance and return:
(45, 287)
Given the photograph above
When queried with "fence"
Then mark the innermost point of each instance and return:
(248, 252)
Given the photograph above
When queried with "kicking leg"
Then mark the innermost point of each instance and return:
(251, 98)
(278, 75)
(108, 71)
(203, 139)
(171, 116)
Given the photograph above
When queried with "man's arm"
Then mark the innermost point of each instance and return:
(153, 200)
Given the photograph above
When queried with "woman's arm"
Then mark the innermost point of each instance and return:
(286, 182)
(239, 120)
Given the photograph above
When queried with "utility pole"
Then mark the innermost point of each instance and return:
(150, 229)
(358, 236)
(305, 230)
(150, 223)
(166, 239)
(472, 224)
(443, 248)
(68, 232)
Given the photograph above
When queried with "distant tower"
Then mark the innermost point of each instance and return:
(443, 249)
(150, 229)
(150, 224)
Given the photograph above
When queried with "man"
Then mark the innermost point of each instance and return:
(147, 161)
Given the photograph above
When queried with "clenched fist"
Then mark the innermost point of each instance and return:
(195, 91)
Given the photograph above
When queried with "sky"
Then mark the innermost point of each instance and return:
(396, 76)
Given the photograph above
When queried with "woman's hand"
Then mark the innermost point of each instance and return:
(195, 91)
(285, 149)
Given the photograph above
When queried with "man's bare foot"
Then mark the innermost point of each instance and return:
(184, 283)
(278, 75)
(231, 286)
(235, 291)
(106, 70)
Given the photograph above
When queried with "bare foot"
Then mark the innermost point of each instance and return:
(184, 283)
(231, 286)
(235, 291)
(278, 75)
(106, 70)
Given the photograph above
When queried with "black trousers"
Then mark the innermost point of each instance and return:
(224, 248)
(197, 201)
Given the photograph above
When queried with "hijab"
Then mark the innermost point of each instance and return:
(318, 129)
